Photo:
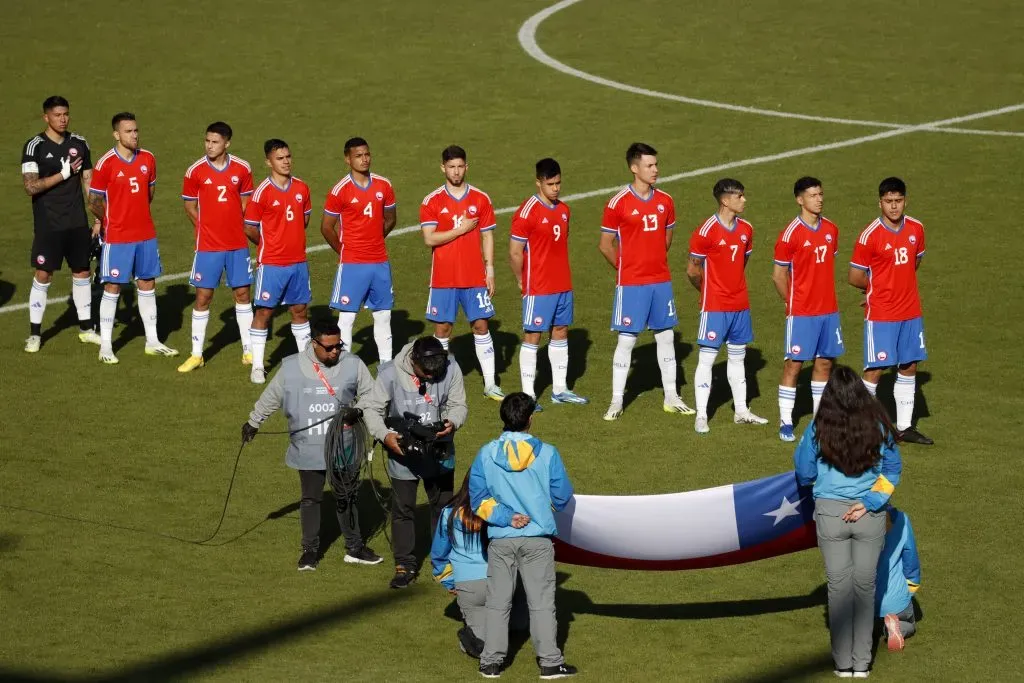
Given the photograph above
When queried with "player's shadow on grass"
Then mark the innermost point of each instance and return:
(579, 347)
(646, 375)
(170, 307)
(67, 319)
(284, 340)
(372, 516)
(463, 348)
(225, 336)
(7, 290)
(403, 330)
(721, 392)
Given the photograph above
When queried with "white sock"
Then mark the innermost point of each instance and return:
(485, 354)
(903, 392)
(528, 367)
(81, 294)
(147, 311)
(243, 316)
(346, 321)
(666, 350)
(259, 346)
(37, 302)
(558, 355)
(199, 320)
(702, 378)
(108, 309)
(301, 334)
(621, 361)
(817, 388)
(382, 334)
(787, 399)
(871, 387)
(443, 340)
(737, 374)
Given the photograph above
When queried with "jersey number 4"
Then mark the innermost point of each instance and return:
(368, 211)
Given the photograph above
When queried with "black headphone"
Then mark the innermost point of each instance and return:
(431, 351)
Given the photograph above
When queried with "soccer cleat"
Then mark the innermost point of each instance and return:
(192, 363)
(258, 376)
(363, 556)
(748, 418)
(786, 432)
(494, 392)
(33, 344)
(843, 673)
(490, 670)
(159, 349)
(537, 407)
(676, 405)
(404, 577)
(892, 626)
(549, 673)
(247, 358)
(700, 425)
(613, 413)
(908, 435)
(308, 560)
(569, 397)
(107, 356)
(89, 337)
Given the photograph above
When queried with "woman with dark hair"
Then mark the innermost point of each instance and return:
(849, 454)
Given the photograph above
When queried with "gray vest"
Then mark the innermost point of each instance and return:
(307, 401)
(404, 401)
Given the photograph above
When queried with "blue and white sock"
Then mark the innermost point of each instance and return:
(736, 371)
(528, 368)
(259, 346)
(302, 335)
(485, 354)
(147, 311)
(444, 342)
(702, 378)
(108, 309)
(81, 294)
(787, 399)
(903, 393)
(243, 316)
(199, 320)
(871, 387)
(37, 303)
(817, 389)
(558, 356)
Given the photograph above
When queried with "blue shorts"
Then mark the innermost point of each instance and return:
(893, 343)
(640, 307)
(120, 262)
(282, 285)
(358, 283)
(443, 304)
(541, 312)
(207, 267)
(717, 328)
(813, 336)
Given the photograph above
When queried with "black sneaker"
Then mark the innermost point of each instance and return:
(308, 561)
(490, 670)
(403, 577)
(469, 643)
(911, 435)
(363, 556)
(563, 670)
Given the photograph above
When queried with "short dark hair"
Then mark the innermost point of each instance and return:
(548, 168)
(54, 101)
(452, 152)
(804, 184)
(429, 354)
(324, 327)
(637, 150)
(892, 184)
(121, 116)
(352, 143)
(516, 409)
(727, 186)
(220, 128)
(273, 144)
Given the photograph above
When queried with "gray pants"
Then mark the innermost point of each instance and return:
(851, 551)
(908, 624)
(532, 559)
(472, 599)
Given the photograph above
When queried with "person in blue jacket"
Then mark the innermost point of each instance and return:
(849, 454)
(899, 577)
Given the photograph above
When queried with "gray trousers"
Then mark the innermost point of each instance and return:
(472, 599)
(851, 551)
(533, 560)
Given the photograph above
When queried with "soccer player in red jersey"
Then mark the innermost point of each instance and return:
(458, 224)
(539, 255)
(636, 233)
(359, 213)
(884, 264)
(216, 189)
(804, 277)
(275, 219)
(123, 185)
(719, 251)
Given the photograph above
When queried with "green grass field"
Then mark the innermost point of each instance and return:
(87, 448)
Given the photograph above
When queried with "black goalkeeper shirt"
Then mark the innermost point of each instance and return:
(62, 207)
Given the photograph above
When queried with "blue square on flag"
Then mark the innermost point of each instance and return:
(771, 507)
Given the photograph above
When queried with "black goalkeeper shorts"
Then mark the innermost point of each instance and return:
(51, 248)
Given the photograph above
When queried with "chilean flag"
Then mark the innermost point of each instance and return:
(691, 530)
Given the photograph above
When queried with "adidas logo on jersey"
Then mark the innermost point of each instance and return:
(888, 247)
(722, 243)
(544, 221)
(120, 174)
(807, 243)
(49, 156)
(635, 212)
(277, 203)
(208, 182)
(354, 201)
(444, 210)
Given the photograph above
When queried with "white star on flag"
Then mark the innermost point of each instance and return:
(785, 509)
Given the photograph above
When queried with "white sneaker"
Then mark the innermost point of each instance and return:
(89, 337)
(159, 349)
(613, 413)
(700, 425)
(748, 418)
(258, 376)
(33, 344)
(676, 405)
(107, 356)
(861, 674)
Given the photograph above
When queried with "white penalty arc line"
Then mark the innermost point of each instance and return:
(694, 173)
(528, 41)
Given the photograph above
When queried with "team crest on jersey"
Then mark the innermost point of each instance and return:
(627, 321)
(114, 272)
(538, 320)
(345, 299)
(380, 196)
(712, 335)
(828, 238)
(73, 151)
(40, 259)
(913, 240)
(881, 355)
(144, 168)
(743, 238)
(234, 180)
(565, 216)
(661, 208)
(298, 197)
(472, 210)
(795, 349)
(265, 296)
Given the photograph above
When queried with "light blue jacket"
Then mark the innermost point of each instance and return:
(899, 569)
(456, 562)
(518, 473)
(872, 488)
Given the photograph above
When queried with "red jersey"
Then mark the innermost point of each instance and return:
(125, 184)
(459, 263)
(280, 214)
(890, 257)
(218, 194)
(640, 225)
(361, 214)
(545, 232)
(810, 254)
(724, 252)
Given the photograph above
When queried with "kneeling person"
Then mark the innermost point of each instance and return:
(899, 577)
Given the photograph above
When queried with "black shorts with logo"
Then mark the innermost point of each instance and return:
(52, 247)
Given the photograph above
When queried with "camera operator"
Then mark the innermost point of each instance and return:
(311, 386)
(417, 403)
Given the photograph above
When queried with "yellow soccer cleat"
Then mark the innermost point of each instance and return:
(192, 363)
(247, 358)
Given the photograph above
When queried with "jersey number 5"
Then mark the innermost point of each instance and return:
(134, 183)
